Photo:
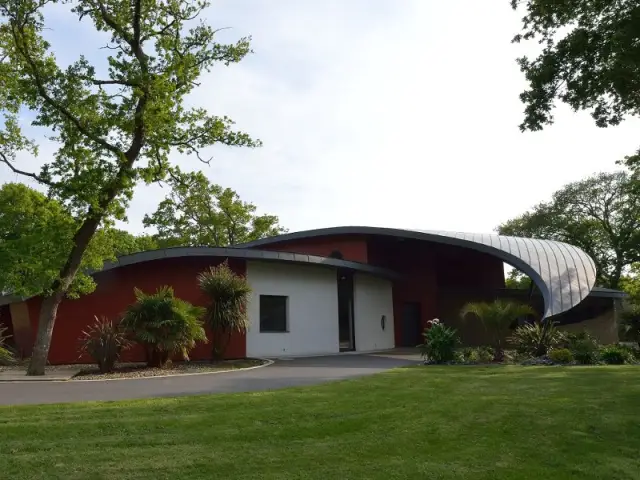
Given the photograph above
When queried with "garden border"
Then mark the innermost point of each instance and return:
(267, 362)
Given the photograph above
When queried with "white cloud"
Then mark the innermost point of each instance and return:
(386, 113)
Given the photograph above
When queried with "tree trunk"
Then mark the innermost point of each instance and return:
(49, 307)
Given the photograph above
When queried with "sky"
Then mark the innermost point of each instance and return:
(392, 113)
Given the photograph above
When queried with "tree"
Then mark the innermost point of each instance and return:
(197, 212)
(125, 243)
(517, 280)
(590, 59)
(164, 325)
(497, 318)
(600, 215)
(36, 235)
(113, 127)
(228, 294)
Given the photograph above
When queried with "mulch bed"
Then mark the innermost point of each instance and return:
(140, 370)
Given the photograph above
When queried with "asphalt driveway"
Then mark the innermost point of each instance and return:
(282, 374)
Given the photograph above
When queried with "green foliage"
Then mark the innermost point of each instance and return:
(561, 355)
(630, 324)
(197, 212)
(536, 339)
(477, 355)
(36, 235)
(164, 325)
(6, 355)
(103, 342)
(110, 127)
(589, 59)
(517, 280)
(583, 346)
(440, 342)
(497, 318)
(615, 355)
(228, 294)
(600, 215)
(125, 243)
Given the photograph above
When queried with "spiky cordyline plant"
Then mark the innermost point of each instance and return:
(164, 325)
(497, 318)
(104, 342)
(228, 293)
(6, 355)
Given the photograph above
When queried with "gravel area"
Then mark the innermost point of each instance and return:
(140, 370)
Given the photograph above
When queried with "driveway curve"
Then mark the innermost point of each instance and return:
(281, 374)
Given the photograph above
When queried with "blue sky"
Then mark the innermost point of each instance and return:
(378, 112)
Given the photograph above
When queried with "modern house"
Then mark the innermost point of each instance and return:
(341, 289)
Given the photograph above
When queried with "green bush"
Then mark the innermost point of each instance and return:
(583, 346)
(440, 342)
(497, 318)
(6, 355)
(536, 339)
(615, 355)
(481, 355)
(103, 342)
(164, 325)
(561, 355)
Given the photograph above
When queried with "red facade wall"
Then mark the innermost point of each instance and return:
(114, 293)
(353, 248)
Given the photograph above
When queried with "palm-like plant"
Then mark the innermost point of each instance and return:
(103, 342)
(164, 325)
(536, 339)
(497, 318)
(228, 293)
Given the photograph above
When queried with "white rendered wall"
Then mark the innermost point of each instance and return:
(312, 309)
(373, 298)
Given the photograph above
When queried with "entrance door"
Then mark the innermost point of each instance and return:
(411, 324)
(345, 311)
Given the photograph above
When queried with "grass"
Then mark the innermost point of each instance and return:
(413, 423)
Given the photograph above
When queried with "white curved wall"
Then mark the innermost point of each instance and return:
(312, 309)
(373, 297)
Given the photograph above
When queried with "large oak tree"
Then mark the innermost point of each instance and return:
(113, 127)
(600, 214)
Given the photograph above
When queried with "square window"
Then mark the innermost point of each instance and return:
(273, 313)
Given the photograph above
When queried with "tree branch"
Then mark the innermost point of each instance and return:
(36, 177)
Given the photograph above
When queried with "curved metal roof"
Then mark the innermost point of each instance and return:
(564, 274)
(246, 254)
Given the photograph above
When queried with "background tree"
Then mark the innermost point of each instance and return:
(600, 215)
(36, 235)
(125, 243)
(197, 212)
(590, 59)
(517, 280)
(113, 126)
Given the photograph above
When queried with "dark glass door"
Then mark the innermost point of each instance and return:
(411, 324)
(345, 311)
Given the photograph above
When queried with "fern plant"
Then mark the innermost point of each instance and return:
(164, 325)
(226, 312)
(536, 339)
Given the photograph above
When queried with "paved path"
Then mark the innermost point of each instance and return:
(283, 373)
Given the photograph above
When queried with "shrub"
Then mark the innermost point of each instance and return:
(481, 355)
(561, 355)
(164, 325)
(103, 342)
(227, 310)
(440, 342)
(615, 355)
(6, 355)
(630, 325)
(497, 318)
(583, 346)
(536, 339)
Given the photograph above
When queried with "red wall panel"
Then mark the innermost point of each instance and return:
(353, 248)
(114, 293)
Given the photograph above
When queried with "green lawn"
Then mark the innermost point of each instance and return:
(415, 423)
